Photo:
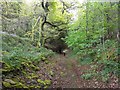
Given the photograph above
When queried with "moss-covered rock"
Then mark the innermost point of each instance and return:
(20, 85)
(36, 68)
(10, 81)
(6, 84)
(32, 76)
(48, 82)
(39, 81)
(44, 83)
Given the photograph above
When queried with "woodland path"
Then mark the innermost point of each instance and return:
(68, 71)
(62, 72)
(65, 75)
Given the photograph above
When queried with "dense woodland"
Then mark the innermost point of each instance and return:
(59, 44)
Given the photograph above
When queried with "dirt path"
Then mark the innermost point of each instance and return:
(67, 75)
(57, 72)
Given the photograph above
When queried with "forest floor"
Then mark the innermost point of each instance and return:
(57, 72)
(68, 72)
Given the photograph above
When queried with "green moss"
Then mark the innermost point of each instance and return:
(46, 87)
(6, 84)
(29, 77)
(37, 86)
(46, 61)
(31, 86)
(24, 86)
(3, 70)
(32, 76)
(24, 72)
(10, 81)
(43, 58)
(37, 68)
(20, 85)
(6, 66)
(39, 81)
(34, 67)
(47, 82)
(51, 73)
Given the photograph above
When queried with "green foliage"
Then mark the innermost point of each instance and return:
(45, 82)
(92, 39)
(6, 84)
(18, 55)
(25, 29)
(87, 76)
(55, 14)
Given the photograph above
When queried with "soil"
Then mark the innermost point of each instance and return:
(63, 72)
(68, 75)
